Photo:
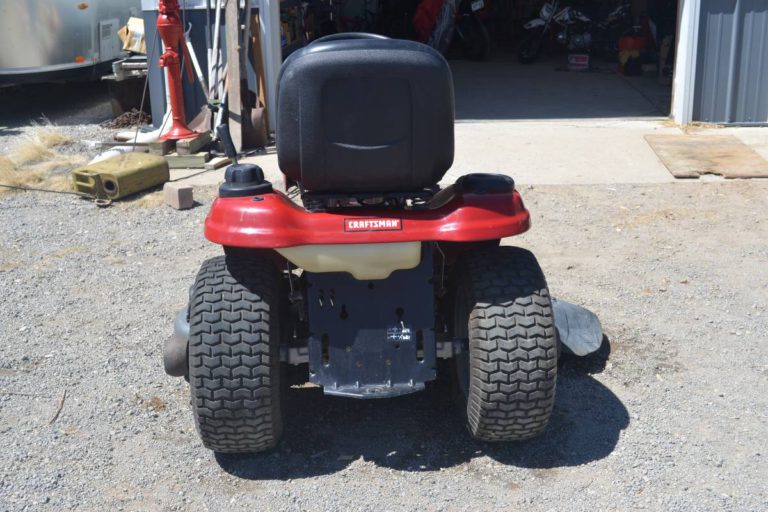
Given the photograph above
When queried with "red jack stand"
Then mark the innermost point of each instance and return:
(172, 33)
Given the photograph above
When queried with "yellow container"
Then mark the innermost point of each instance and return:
(121, 175)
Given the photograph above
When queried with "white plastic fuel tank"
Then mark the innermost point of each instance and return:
(363, 261)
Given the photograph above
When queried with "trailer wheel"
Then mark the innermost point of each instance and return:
(507, 372)
(234, 353)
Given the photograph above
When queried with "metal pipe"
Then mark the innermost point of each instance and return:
(733, 63)
(216, 55)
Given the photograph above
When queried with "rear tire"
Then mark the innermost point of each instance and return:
(507, 377)
(478, 40)
(234, 353)
(530, 47)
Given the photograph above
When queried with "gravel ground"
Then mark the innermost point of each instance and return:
(670, 416)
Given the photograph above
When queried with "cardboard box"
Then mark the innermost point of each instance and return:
(132, 36)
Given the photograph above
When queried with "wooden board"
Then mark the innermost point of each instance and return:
(234, 73)
(691, 156)
(195, 145)
(258, 64)
(196, 161)
(218, 162)
(162, 147)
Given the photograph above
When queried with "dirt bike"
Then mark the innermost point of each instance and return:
(471, 35)
(454, 27)
(573, 26)
(606, 33)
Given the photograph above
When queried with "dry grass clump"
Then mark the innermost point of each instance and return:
(37, 145)
(49, 136)
(11, 175)
(62, 182)
(35, 162)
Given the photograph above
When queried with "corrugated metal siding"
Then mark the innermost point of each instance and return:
(732, 62)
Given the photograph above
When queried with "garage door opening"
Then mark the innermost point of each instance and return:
(516, 59)
(625, 49)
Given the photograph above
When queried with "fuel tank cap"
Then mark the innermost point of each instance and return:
(242, 180)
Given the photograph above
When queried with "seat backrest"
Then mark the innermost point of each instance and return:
(365, 113)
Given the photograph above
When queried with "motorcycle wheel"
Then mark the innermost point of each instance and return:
(530, 47)
(478, 39)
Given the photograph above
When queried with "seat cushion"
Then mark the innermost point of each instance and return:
(365, 115)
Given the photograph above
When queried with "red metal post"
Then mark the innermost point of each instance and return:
(172, 33)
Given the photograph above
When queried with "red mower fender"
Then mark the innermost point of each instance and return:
(272, 221)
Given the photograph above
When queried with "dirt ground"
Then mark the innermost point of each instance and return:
(671, 415)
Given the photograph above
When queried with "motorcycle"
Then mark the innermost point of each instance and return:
(470, 33)
(606, 33)
(573, 26)
(455, 27)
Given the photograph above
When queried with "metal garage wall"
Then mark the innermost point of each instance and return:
(732, 62)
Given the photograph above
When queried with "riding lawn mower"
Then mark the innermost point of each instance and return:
(371, 272)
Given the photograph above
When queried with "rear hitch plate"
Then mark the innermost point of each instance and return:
(372, 339)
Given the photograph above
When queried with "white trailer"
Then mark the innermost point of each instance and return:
(45, 40)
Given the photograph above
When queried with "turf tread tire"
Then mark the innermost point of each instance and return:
(512, 344)
(234, 358)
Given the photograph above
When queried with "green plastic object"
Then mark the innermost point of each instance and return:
(121, 175)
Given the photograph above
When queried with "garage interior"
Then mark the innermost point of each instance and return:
(597, 58)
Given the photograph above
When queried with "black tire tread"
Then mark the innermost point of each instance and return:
(482, 49)
(530, 43)
(513, 346)
(234, 361)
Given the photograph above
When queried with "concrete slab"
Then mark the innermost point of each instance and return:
(545, 126)
(506, 90)
(561, 152)
(537, 153)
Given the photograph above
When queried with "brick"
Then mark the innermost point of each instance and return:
(178, 196)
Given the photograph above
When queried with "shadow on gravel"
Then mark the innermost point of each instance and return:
(425, 432)
(7, 132)
(61, 103)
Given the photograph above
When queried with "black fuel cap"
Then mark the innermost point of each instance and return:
(244, 173)
(242, 180)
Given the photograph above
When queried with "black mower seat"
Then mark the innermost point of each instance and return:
(364, 113)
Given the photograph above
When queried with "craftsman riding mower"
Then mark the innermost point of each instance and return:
(378, 273)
